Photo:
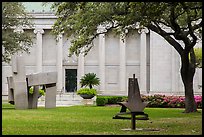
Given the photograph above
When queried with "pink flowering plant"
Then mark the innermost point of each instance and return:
(174, 101)
(198, 100)
(158, 100)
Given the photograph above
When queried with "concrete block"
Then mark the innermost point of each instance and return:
(14, 64)
(10, 89)
(19, 73)
(20, 95)
(42, 78)
(10, 82)
(50, 97)
(33, 98)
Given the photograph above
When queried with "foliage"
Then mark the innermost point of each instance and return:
(13, 41)
(198, 53)
(82, 19)
(87, 91)
(90, 80)
(155, 101)
(158, 100)
(198, 100)
(179, 23)
(114, 99)
(174, 101)
(103, 100)
(41, 91)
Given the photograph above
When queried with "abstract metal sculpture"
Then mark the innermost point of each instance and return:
(134, 104)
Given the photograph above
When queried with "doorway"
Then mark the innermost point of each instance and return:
(70, 80)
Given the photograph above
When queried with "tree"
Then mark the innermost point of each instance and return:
(90, 80)
(179, 23)
(13, 41)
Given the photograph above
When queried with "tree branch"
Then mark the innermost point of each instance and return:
(167, 37)
(191, 31)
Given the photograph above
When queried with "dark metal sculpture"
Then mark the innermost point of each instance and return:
(134, 104)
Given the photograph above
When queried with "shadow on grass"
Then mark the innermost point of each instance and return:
(4, 108)
(7, 106)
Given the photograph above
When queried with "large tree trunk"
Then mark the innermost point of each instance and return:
(187, 74)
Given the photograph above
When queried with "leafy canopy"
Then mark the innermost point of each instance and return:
(13, 18)
(179, 23)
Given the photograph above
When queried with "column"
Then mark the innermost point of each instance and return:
(80, 71)
(59, 62)
(143, 60)
(102, 61)
(122, 77)
(39, 32)
(148, 63)
(174, 70)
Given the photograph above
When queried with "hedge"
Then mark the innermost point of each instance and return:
(156, 100)
(103, 100)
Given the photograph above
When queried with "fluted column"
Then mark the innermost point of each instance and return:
(39, 32)
(59, 62)
(122, 77)
(102, 58)
(80, 71)
(143, 60)
(174, 70)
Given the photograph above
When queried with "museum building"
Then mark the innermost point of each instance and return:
(155, 63)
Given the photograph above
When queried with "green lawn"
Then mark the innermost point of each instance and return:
(95, 120)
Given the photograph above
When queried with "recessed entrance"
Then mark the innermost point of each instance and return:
(70, 80)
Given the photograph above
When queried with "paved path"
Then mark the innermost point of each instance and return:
(64, 100)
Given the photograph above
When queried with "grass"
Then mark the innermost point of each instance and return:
(95, 120)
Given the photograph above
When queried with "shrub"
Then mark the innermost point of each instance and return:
(87, 91)
(101, 101)
(109, 100)
(41, 91)
(156, 100)
(174, 101)
(198, 100)
(114, 99)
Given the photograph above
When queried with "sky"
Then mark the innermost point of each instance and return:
(37, 7)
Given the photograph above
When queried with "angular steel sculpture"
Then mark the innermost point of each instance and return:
(134, 104)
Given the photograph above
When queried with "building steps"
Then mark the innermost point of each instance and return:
(65, 100)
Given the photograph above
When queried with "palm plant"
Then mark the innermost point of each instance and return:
(90, 80)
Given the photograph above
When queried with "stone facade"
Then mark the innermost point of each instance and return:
(155, 63)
